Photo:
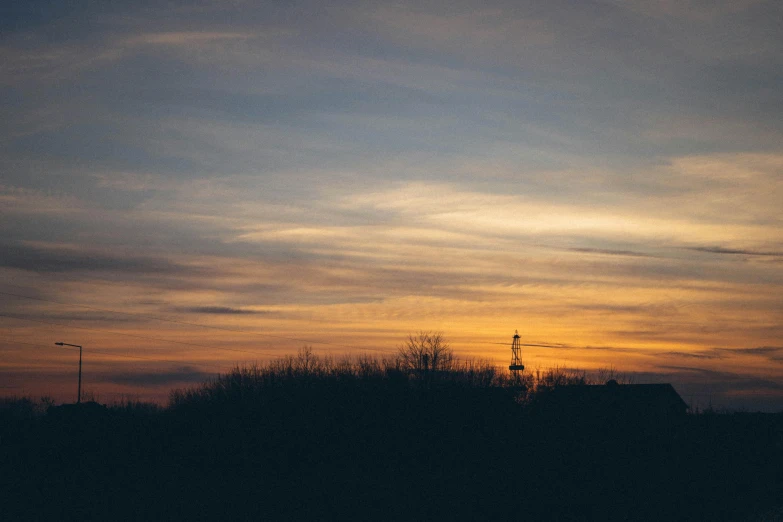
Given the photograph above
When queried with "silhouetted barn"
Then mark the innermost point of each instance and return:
(81, 412)
(643, 405)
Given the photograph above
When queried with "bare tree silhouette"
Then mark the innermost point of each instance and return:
(426, 353)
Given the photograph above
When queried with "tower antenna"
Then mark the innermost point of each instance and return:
(516, 365)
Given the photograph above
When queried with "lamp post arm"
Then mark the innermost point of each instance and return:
(67, 344)
(79, 391)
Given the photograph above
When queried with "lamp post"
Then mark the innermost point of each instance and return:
(79, 393)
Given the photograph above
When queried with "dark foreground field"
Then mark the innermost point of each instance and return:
(376, 444)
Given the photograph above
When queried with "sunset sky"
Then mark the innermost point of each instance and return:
(186, 186)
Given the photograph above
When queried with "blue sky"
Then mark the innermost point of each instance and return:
(605, 176)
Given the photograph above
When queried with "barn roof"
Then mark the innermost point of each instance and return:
(639, 397)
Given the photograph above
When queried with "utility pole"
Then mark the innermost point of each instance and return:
(79, 393)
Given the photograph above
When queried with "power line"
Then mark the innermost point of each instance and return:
(187, 323)
(213, 327)
(235, 330)
(137, 336)
(178, 342)
(90, 350)
(533, 345)
(755, 393)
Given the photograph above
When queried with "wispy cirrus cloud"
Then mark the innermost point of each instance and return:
(220, 310)
(186, 38)
(734, 251)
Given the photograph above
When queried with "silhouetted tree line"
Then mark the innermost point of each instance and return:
(310, 437)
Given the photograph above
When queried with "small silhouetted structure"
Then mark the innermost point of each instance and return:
(516, 365)
(632, 405)
(78, 411)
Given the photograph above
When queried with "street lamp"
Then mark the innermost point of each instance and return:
(79, 396)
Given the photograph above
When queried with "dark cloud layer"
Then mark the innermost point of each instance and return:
(181, 375)
(703, 388)
(608, 251)
(764, 351)
(692, 355)
(728, 382)
(220, 310)
(51, 260)
(734, 251)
